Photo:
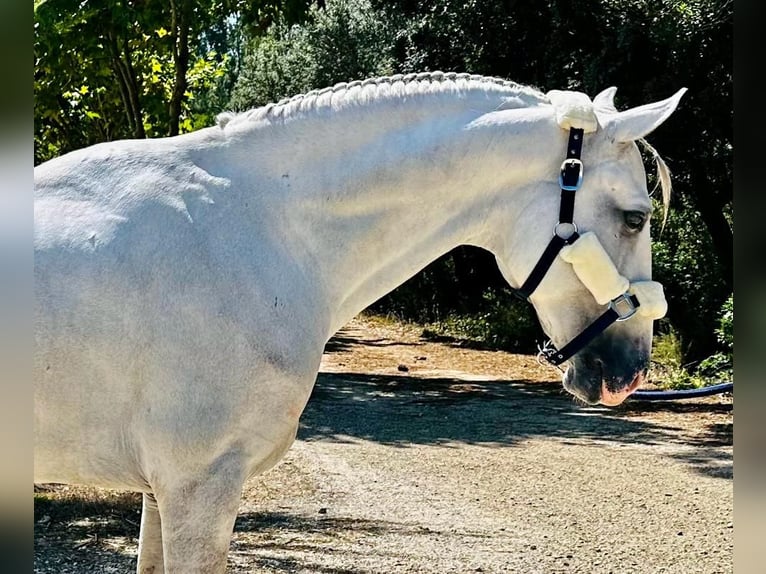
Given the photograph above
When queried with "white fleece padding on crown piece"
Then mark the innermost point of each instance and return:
(651, 298)
(573, 110)
(594, 268)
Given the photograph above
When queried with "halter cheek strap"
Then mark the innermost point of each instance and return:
(565, 231)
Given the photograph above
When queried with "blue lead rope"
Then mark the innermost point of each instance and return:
(683, 393)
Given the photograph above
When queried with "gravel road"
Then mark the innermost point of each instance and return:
(425, 457)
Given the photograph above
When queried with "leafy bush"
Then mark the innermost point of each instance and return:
(685, 262)
(345, 41)
(719, 366)
(668, 369)
(275, 65)
(643, 48)
(725, 330)
(505, 323)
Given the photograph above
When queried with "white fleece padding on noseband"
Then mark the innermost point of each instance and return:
(594, 268)
(573, 110)
(651, 298)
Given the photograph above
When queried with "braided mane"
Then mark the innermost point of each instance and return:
(387, 88)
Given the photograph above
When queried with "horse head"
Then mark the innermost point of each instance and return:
(590, 280)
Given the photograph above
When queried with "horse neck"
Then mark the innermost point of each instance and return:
(365, 202)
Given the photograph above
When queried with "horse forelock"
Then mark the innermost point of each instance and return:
(387, 88)
(663, 179)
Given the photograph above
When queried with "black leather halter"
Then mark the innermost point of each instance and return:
(565, 233)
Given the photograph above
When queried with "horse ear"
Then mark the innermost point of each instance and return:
(604, 101)
(635, 123)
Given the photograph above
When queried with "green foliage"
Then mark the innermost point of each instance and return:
(720, 365)
(71, 85)
(492, 38)
(668, 367)
(158, 79)
(685, 262)
(505, 323)
(725, 330)
(717, 367)
(346, 41)
(245, 53)
(110, 69)
(272, 68)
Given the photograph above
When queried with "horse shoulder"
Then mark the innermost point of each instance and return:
(154, 316)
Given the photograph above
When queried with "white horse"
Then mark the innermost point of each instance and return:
(186, 287)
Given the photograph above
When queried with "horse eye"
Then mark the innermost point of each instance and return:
(634, 220)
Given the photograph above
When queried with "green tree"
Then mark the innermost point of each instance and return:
(114, 68)
(344, 41)
(108, 69)
(646, 48)
(81, 92)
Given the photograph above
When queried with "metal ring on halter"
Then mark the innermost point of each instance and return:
(572, 228)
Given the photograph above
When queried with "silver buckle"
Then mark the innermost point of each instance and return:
(567, 163)
(623, 306)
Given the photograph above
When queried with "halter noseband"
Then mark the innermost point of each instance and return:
(621, 307)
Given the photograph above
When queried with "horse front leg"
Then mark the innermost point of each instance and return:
(197, 519)
(150, 559)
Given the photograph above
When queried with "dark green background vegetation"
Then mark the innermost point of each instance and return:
(109, 69)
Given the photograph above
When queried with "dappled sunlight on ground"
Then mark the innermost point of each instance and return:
(418, 456)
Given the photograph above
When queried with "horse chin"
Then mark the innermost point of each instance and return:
(585, 386)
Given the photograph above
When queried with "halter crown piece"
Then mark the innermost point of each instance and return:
(589, 260)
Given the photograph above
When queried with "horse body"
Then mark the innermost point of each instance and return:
(186, 287)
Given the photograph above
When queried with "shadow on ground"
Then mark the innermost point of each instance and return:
(401, 410)
(81, 530)
(87, 532)
(277, 533)
(82, 533)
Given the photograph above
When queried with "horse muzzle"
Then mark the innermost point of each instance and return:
(605, 378)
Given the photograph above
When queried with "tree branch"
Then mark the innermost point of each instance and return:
(180, 33)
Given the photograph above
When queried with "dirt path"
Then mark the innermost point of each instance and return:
(423, 457)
